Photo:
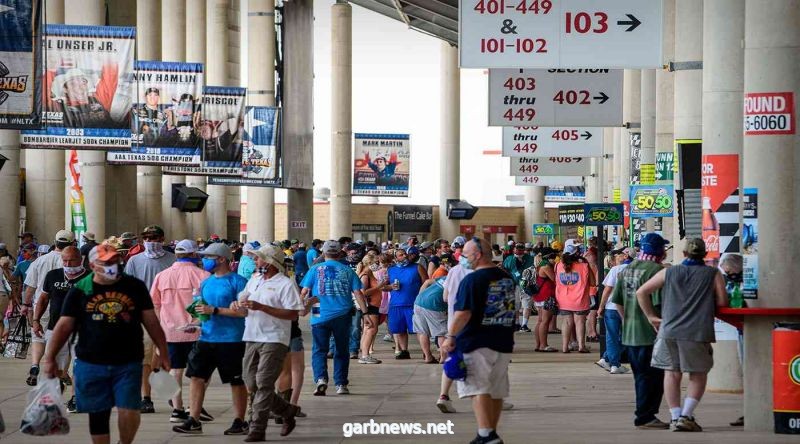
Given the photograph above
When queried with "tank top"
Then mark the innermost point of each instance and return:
(374, 299)
(410, 283)
(572, 288)
(547, 288)
(688, 303)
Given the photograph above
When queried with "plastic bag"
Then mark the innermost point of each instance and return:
(19, 340)
(45, 414)
(163, 384)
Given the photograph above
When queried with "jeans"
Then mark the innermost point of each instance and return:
(649, 383)
(355, 332)
(613, 323)
(339, 328)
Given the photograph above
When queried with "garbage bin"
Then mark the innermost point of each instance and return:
(786, 377)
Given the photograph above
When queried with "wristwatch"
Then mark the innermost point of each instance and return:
(216, 310)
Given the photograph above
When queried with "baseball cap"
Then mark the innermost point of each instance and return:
(459, 240)
(331, 247)
(153, 230)
(519, 246)
(104, 252)
(272, 255)
(88, 236)
(248, 248)
(186, 246)
(214, 237)
(295, 241)
(127, 236)
(653, 244)
(695, 247)
(65, 236)
(44, 249)
(412, 250)
(627, 251)
(454, 366)
(425, 245)
(556, 245)
(570, 246)
(29, 247)
(217, 249)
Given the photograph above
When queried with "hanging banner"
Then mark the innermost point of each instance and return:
(88, 89)
(549, 181)
(77, 204)
(750, 243)
(381, 164)
(522, 141)
(20, 65)
(570, 215)
(165, 115)
(648, 176)
(651, 201)
(719, 184)
(636, 158)
(664, 166)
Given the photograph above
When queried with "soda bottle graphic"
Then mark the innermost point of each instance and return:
(710, 233)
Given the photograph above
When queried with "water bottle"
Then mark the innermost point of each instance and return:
(163, 384)
(737, 299)
(197, 297)
(315, 310)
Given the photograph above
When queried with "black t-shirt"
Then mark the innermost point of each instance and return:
(56, 285)
(109, 319)
(489, 294)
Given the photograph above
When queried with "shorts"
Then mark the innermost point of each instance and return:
(62, 357)
(179, 353)
(683, 356)
(430, 323)
(525, 301)
(372, 310)
(571, 312)
(225, 357)
(538, 304)
(101, 387)
(296, 345)
(401, 320)
(487, 374)
(148, 348)
(45, 319)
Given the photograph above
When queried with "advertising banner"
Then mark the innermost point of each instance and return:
(769, 113)
(719, 179)
(522, 141)
(565, 194)
(570, 215)
(603, 214)
(381, 164)
(165, 116)
(20, 65)
(636, 158)
(77, 204)
(750, 243)
(548, 230)
(88, 88)
(651, 201)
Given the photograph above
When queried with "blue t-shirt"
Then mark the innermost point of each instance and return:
(246, 267)
(489, 294)
(300, 264)
(220, 292)
(432, 298)
(410, 283)
(21, 269)
(333, 283)
(311, 256)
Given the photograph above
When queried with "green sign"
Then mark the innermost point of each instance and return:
(664, 165)
(544, 229)
(651, 201)
(603, 214)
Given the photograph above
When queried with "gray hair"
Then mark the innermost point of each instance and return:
(733, 262)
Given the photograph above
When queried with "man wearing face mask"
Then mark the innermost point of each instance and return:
(247, 265)
(145, 266)
(515, 265)
(406, 278)
(130, 246)
(107, 309)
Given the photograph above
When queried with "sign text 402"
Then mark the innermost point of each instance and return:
(523, 7)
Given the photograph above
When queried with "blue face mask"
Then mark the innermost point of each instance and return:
(403, 262)
(209, 264)
(465, 262)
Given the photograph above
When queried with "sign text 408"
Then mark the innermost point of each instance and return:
(524, 6)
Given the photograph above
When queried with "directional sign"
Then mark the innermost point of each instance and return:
(523, 141)
(549, 181)
(550, 166)
(560, 33)
(555, 97)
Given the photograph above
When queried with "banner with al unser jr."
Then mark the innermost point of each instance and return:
(20, 64)
(88, 88)
(381, 164)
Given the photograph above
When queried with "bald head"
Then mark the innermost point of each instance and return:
(479, 253)
(71, 256)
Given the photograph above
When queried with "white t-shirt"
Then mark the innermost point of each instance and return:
(39, 269)
(451, 283)
(279, 291)
(611, 280)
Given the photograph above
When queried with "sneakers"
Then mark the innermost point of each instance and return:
(289, 422)
(402, 354)
(686, 424)
(388, 338)
(179, 415)
(191, 426)
(445, 404)
(493, 438)
(354, 355)
(239, 427)
(256, 437)
(602, 363)
(147, 405)
(655, 424)
(205, 416)
(525, 329)
(621, 370)
(33, 376)
(369, 359)
(322, 385)
(72, 406)
(507, 405)
(342, 390)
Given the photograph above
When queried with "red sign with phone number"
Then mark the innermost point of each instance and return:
(769, 113)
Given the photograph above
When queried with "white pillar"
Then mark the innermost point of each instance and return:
(772, 165)
(450, 149)
(534, 210)
(341, 119)
(616, 168)
(261, 92)
(196, 53)
(9, 183)
(665, 95)
(648, 105)
(608, 163)
(631, 114)
(216, 75)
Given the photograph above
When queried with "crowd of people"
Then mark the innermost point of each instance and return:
(235, 308)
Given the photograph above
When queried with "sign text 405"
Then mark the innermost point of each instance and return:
(524, 6)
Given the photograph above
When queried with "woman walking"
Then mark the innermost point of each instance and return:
(574, 277)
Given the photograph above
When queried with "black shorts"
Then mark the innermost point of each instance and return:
(371, 310)
(179, 353)
(225, 357)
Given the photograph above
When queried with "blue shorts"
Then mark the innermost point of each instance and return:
(101, 387)
(401, 320)
(296, 344)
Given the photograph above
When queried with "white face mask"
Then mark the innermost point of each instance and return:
(109, 272)
(154, 250)
(73, 270)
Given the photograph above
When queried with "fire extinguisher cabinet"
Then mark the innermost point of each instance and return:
(786, 377)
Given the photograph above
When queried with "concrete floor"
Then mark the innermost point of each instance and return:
(558, 399)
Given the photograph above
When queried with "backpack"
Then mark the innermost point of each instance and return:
(528, 281)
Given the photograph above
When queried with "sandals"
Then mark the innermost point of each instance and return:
(594, 338)
(547, 349)
(554, 332)
(431, 361)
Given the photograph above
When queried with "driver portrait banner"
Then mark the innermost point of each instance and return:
(381, 165)
(20, 64)
(87, 89)
(165, 116)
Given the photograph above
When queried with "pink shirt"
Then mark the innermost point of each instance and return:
(572, 288)
(171, 293)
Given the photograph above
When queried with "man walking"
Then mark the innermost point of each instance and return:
(515, 264)
(610, 361)
(332, 286)
(406, 278)
(272, 303)
(691, 294)
(108, 310)
(483, 329)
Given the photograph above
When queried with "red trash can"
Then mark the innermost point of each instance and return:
(786, 377)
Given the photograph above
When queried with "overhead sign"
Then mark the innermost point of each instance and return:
(565, 194)
(769, 113)
(603, 214)
(299, 224)
(522, 141)
(549, 181)
(560, 33)
(544, 229)
(555, 97)
(550, 166)
(412, 218)
(570, 215)
(651, 201)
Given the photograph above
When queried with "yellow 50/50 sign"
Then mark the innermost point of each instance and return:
(651, 201)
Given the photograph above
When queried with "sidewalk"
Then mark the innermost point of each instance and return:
(557, 399)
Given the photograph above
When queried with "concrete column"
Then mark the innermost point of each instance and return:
(771, 164)
(261, 92)
(196, 53)
(9, 183)
(632, 114)
(665, 94)
(233, 65)
(608, 163)
(534, 209)
(723, 83)
(173, 49)
(341, 119)
(450, 150)
(594, 191)
(616, 164)
(216, 75)
(648, 104)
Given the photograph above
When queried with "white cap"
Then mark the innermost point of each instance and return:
(272, 255)
(570, 246)
(186, 246)
(65, 236)
(44, 248)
